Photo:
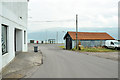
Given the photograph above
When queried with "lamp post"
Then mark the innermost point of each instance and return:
(58, 35)
(64, 32)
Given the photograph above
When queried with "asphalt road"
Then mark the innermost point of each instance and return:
(60, 63)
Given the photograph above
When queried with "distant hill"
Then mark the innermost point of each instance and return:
(52, 33)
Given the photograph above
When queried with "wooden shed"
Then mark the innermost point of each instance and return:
(87, 39)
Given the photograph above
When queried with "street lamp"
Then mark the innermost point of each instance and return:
(63, 32)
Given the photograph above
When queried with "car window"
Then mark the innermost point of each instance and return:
(112, 43)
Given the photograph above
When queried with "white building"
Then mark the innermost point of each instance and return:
(13, 31)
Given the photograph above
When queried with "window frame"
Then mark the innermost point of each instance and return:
(3, 25)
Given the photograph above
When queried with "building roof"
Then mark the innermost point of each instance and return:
(90, 36)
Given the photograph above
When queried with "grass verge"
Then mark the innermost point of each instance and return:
(95, 50)
(62, 47)
(92, 49)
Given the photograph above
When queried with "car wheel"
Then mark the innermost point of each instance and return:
(115, 48)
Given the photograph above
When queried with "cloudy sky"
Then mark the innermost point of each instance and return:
(47, 14)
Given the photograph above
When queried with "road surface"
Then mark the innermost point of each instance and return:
(60, 63)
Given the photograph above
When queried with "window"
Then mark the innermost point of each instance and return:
(112, 43)
(4, 39)
(24, 37)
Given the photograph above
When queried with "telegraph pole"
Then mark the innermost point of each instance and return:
(57, 37)
(76, 30)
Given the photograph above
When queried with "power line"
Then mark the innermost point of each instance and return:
(69, 20)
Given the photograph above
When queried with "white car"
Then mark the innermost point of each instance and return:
(114, 44)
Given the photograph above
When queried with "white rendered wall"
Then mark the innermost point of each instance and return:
(24, 46)
(16, 10)
(0, 38)
(6, 58)
(13, 21)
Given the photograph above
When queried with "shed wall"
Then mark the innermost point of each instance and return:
(92, 43)
(89, 43)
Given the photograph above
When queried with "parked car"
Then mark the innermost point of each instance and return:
(113, 44)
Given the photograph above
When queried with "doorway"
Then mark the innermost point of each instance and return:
(17, 40)
(68, 43)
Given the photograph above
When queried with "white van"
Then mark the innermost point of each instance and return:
(114, 44)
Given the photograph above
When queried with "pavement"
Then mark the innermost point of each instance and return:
(24, 64)
(59, 63)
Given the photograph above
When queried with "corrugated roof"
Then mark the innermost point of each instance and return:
(90, 36)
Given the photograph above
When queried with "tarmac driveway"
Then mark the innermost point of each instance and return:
(60, 63)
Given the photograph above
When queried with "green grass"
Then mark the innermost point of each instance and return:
(99, 49)
(95, 50)
(62, 47)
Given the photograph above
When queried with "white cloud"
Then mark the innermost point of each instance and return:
(92, 13)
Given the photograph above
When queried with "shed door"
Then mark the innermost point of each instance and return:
(68, 43)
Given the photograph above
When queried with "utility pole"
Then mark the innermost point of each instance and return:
(57, 37)
(76, 30)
